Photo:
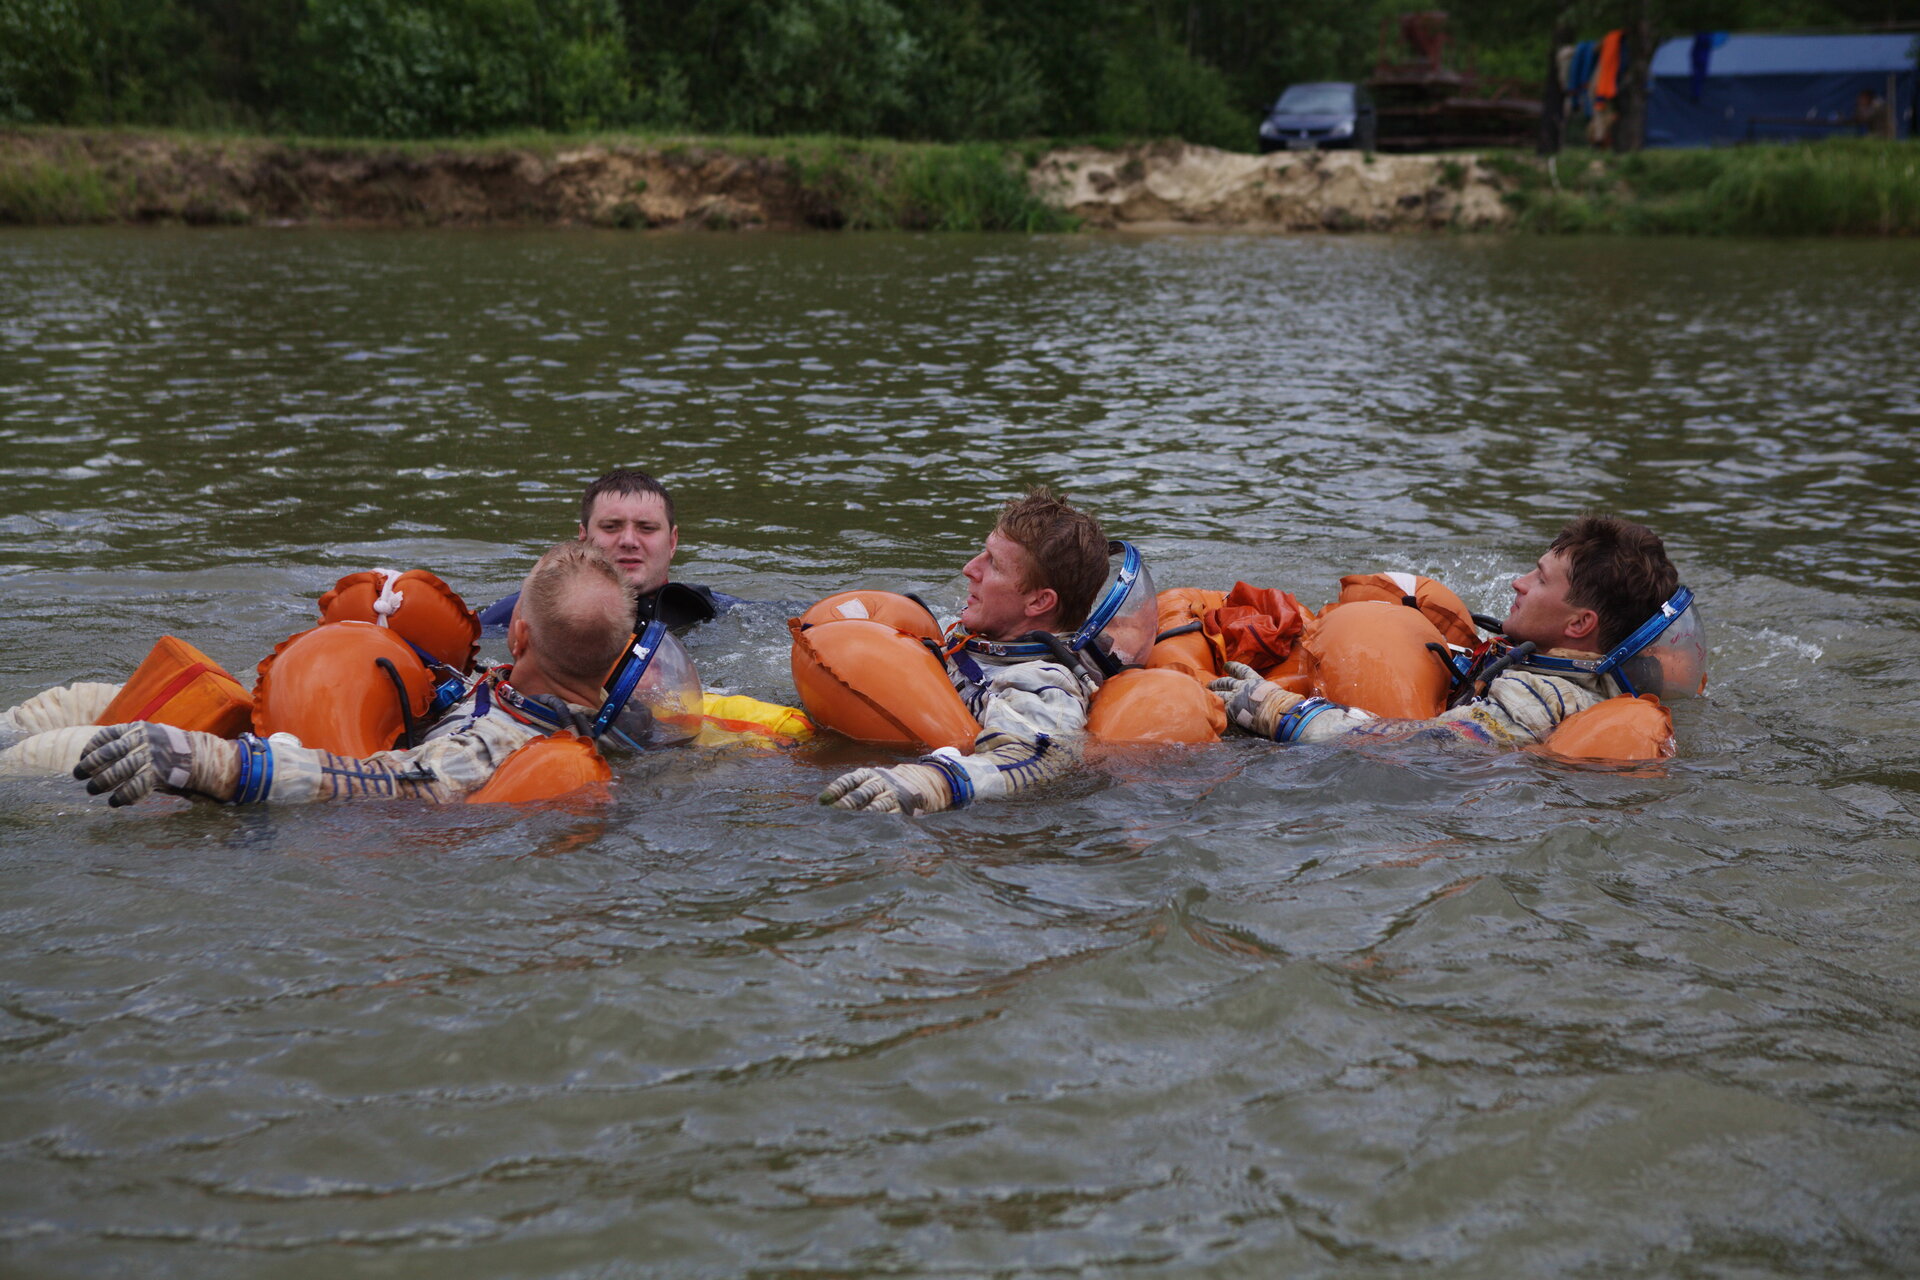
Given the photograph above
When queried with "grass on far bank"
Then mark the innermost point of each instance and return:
(865, 183)
(1844, 186)
(1839, 186)
(966, 187)
(35, 190)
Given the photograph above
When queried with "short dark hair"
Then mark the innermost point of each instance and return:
(625, 482)
(1618, 569)
(1065, 550)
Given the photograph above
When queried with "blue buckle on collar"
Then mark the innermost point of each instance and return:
(1008, 648)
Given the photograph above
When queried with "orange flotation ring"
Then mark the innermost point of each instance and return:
(560, 764)
(417, 605)
(181, 686)
(327, 688)
(902, 613)
(1374, 656)
(875, 682)
(1622, 729)
(1192, 651)
(1155, 704)
(1438, 603)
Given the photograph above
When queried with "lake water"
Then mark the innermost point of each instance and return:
(1234, 1010)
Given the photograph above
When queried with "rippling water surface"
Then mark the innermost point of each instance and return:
(1236, 1010)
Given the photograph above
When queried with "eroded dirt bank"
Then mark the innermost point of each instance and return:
(1174, 183)
(111, 177)
(138, 178)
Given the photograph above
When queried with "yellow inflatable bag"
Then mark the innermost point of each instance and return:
(729, 719)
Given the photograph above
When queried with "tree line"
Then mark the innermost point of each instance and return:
(955, 71)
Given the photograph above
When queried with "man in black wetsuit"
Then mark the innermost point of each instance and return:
(629, 515)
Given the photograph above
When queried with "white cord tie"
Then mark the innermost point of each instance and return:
(390, 600)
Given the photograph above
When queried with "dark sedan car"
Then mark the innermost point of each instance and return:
(1328, 114)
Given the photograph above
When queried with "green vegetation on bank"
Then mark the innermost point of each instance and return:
(36, 190)
(953, 71)
(965, 70)
(878, 185)
(58, 176)
(1841, 186)
(970, 187)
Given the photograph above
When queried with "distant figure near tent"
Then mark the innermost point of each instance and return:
(1871, 115)
(1714, 90)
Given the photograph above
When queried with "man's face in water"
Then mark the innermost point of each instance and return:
(632, 529)
(1541, 612)
(998, 606)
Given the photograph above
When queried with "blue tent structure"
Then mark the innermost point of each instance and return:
(1774, 87)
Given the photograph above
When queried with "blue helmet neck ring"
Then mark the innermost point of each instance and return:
(1106, 610)
(1615, 663)
(627, 675)
(1116, 595)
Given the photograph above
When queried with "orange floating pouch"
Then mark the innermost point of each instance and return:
(1192, 650)
(183, 687)
(1258, 626)
(562, 764)
(1624, 729)
(1155, 704)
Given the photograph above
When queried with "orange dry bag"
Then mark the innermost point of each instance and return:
(1374, 656)
(561, 764)
(1624, 729)
(1155, 705)
(877, 684)
(328, 688)
(417, 605)
(1441, 606)
(1260, 627)
(183, 687)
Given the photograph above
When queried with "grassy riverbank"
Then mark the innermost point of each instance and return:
(60, 176)
(1849, 187)
(1843, 186)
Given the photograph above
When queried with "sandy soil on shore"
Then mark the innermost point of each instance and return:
(146, 178)
(1173, 183)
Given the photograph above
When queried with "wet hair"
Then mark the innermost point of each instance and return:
(626, 483)
(1065, 550)
(579, 611)
(1618, 569)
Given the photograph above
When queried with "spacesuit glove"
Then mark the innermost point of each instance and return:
(1253, 703)
(130, 760)
(903, 788)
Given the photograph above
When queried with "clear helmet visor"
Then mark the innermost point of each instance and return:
(1668, 655)
(1126, 613)
(659, 704)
